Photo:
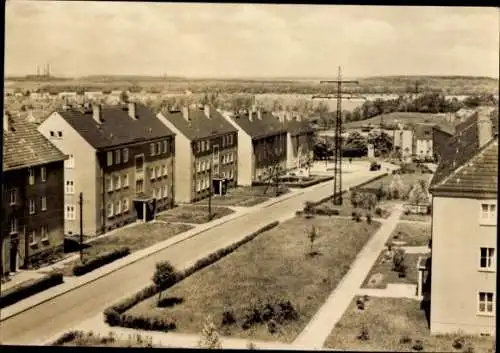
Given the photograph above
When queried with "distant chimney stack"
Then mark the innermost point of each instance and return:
(185, 112)
(206, 109)
(132, 110)
(96, 113)
(485, 129)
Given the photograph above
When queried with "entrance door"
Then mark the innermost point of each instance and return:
(13, 255)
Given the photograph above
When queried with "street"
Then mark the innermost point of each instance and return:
(45, 320)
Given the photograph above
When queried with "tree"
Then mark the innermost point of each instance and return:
(396, 187)
(164, 276)
(209, 336)
(312, 235)
(124, 97)
(355, 140)
(418, 194)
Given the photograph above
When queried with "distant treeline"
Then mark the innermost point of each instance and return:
(384, 85)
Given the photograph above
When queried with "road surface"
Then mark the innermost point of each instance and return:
(42, 322)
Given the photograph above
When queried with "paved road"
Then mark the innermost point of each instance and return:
(42, 322)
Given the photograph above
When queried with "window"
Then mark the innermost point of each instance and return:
(117, 156)
(43, 202)
(13, 196)
(223, 141)
(117, 182)
(110, 209)
(486, 303)
(110, 158)
(488, 213)
(32, 206)
(109, 183)
(198, 166)
(165, 191)
(32, 237)
(158, 148)
(13, 226)
(125, 155)
(43, 173)
(198, 146)
(70, 187)
(44, 232)
(70, 212)
(70, 162)
(59, 134)
(52, 134)
(118, 207)
(208, 145)
(487, 260)
(125, 180)
(139, 186)
(125, 205)
(152, 149)
(230, 174)
(164, 170)
(152, 173)
(231, 156)
(31, 174)
(158, 172)
(165, 145)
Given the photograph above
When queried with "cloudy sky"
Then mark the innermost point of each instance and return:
(224, 40)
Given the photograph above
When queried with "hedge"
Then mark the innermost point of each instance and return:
(114, 315)
(29, 288)
(104, 259)
(303, 184)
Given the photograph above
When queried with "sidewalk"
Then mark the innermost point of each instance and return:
(73, 283)
(319, 328)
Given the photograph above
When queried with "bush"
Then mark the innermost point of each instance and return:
(228, 318)
(378, 211)
(398, 259)
(354, 214)
(364, 335)
(104, 259)
(418, 346)
(67, 337)
(459, 343)
(29, 288)
(147, 323)
(358, 218)
(360, 304)
(368, 218)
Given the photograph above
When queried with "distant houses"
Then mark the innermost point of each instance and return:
(204, 142)
(33, 195)
(262, 145)
(121, 158)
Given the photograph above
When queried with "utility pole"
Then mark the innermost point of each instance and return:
(210, 186)
(337, 180)
(81, 226)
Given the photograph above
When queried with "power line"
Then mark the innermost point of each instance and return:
(337, 180)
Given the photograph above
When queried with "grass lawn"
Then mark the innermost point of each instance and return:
(244, 196)
(273, 267)
(193, 214)
(136, 237)
(90, 339)
(346, 209)
(388, 320)
(413, 234)
(416, 217)
(384, 268)
(406, 179)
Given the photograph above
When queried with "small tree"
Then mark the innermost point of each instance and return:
(124, 96)
(312, 235)
(164, 276)
(210, 338)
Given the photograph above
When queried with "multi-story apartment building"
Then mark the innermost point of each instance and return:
(121, 158)
(299, 140)
(204, 140)
(32, 195)
(422, 139)
(464, 233)
(262, 145)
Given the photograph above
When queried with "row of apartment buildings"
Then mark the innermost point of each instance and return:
(113, 165)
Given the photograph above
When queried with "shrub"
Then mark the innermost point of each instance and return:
(209, 336)
(402, 270)
(378, 211)
(469, 348)
(99, 261)
(398, 259)
(405, 339)
(29, 288)
(272, 327)
(358, 218)
(251, 345)
(165, 275)
(368, 218)
(360, 304)
(418, 346)
(67, 337)
(228, 318)
(354, 214)
(147, 323)
(364, 335)
(459, 343)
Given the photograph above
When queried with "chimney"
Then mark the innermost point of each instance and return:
(131, 110)
(185, 112)
(96, 113)
(485, 129)
(206, 109)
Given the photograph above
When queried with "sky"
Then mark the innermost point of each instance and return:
(248, 40)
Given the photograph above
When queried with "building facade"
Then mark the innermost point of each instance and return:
(32, 196)
(204, 141)
(464, 233)
(422, 139)
(121, 161)
(262, 146)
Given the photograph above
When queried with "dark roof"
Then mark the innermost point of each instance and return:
(460, 148)
(199, 125)
(268, 125)
(446, 128)
(24, 146)
(296, 127)
(478, 175)
(422, 132)
(117, 128)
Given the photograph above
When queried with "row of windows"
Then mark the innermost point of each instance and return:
(488, 213)
(32, 175)
(54, 134)
(158, 148)
(117, 208)
(202, 184)
(120, 156)
(43, 235)
(156, 172)
(202, 146)
(116, 182)
(31, 203)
